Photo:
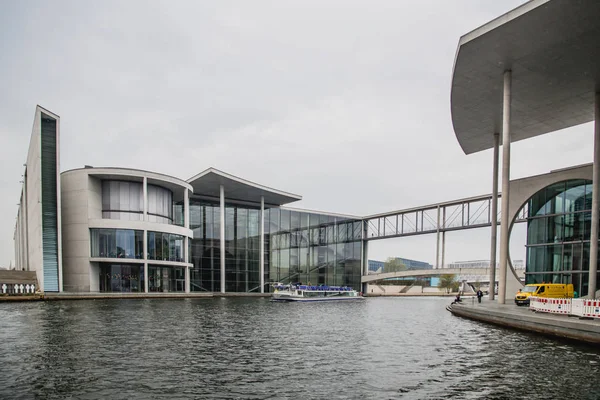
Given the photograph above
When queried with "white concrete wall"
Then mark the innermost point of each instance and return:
(77, 193)
(33, 189)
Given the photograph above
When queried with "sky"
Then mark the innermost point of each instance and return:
(346, 103)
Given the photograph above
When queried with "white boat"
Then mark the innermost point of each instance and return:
(298, 292)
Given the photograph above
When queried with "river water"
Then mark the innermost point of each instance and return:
(250, 348)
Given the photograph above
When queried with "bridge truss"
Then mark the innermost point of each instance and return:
(469, 213)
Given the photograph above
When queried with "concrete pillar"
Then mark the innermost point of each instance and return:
(595, 193)
(262, 244)
(186, 209)
(145, 260)
(443, 237)
(365, 262)
(186, 258)
(187, 279)
(504, 231)
(145, 189)
(437, 241)
(145, 276)
(222, 239)
(494, 218)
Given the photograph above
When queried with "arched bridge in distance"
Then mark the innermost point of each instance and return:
(426, 272)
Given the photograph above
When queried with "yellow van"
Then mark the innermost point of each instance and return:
(547, 290)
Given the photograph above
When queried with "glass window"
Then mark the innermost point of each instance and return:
(122, 200)
(116, 243)
(121, 278)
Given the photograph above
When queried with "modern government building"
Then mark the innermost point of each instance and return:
(126, 230)
(533, 70)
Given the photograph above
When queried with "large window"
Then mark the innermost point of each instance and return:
(165, 246)
(122, 200)
(121, 278)
(558, 234)
(166, 279)
(117, 243)
(160, 205)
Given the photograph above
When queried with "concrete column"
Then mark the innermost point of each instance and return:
(437, 241)
(494, 217)
(145, 276)
(145, 260)
(145, 189)
(186, 258)
(186, 209)
(365, 262)
(443, 237)
(222, 239)
(443, 248)
(505, 187)
(262, 244)
(595, 193)
(187, 279)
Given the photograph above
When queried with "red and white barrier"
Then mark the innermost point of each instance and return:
(555, 306)
(591, 308)
(560, 306)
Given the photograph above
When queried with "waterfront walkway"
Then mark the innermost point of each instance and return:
(510, 315)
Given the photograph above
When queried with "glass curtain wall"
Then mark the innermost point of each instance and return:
(117, 243)
(165, 246)
(122, 200)
(316, 249)
(160, 205)
(166, 279)
(242, 244)
(121, 278)
(558, 235)
(299, 247)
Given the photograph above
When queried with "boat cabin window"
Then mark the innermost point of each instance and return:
(299, 291)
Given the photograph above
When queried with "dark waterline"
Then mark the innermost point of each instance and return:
(250, 348)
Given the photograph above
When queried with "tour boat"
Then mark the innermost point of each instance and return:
(298, 292)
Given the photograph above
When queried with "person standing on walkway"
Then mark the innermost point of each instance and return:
(479, 295)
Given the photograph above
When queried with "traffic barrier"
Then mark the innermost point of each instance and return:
(555, 306)
(577, 307)
(560, 306)
(591, 308)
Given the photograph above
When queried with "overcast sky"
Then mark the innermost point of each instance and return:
(343, 102)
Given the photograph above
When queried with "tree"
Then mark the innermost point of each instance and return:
(393, 264)
(448, 282)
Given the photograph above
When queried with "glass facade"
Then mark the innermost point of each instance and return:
(166, 279)
(117, 243)
(121, 278)
(299, 247)
(165, 246)
(558, 234)
(312, 248)
(122, 200)
(242, 248)
(160, 205)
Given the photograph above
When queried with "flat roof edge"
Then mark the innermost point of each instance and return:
(501, 20)
(243, 181)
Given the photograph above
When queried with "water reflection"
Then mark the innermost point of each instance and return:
(250, 348)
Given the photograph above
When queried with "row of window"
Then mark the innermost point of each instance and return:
(130, 278)
(128, 243)
(125, 201)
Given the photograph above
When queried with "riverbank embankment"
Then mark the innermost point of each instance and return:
(125, 296)
(522, 318)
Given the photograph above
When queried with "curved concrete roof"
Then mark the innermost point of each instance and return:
(552, 48)
(208, 182)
